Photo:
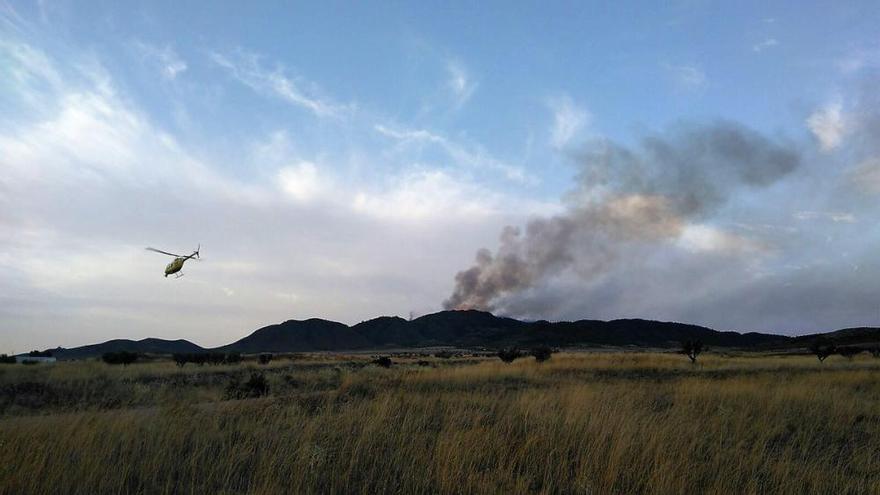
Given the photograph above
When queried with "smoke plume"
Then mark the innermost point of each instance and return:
(625, 197)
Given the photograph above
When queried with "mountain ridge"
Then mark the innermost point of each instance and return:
(465, 328)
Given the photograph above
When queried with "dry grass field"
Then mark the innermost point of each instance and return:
(579, 423)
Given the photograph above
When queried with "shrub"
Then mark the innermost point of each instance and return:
(822, 348)
(424, 363)
(444, 354)
(509, 355)
(692, 349)
(875, 351)
(255, 386)
(264, 358)
(122, 357)
(383, 361)
(201, 358)
(849, 352)
(541, 353)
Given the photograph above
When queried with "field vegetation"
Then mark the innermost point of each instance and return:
(611, 422)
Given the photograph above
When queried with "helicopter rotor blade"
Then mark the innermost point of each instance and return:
(163, 252)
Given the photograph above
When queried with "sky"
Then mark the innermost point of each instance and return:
(716, 163)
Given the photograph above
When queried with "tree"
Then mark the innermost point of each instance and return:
(875, 351)
(180, 359)
(4, 359)
(256, 386)
(822, 348)
(541, 353)
(509, 355)
(383, 361)
(264, 358)
(849, 352)
(692, 349)
(122, 357)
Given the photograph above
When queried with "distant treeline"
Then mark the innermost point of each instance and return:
(201, 358)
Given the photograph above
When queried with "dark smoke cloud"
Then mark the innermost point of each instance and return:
(623, 198)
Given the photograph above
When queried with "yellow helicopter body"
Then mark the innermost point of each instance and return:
(176, 265)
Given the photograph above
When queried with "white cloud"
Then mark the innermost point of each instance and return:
(461, 155)
(302, 182)
(687, 77)
(828, 125)
(460, 84)
(27, 65)
(246, 68)
(705, 238)
(866, 176)
(763, 45)
(834, 216)
(568, 120)
(169, 62)
(428, 195)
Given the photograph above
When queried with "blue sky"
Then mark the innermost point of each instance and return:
(347, 161)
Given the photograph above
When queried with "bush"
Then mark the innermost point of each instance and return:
(201, 358)
(122, 357)
(692, 349)
(256, 386)
(849, 352)
(509, 355)
(541, 353)
(383, 361)
(264, 358)
(444, 354)
(822, 348)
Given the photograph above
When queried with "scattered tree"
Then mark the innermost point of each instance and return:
(201, 358)
(692, 349)
(383, 361)
(264, 358)
(509, 355)
(122, 357)
(541, 353)
(822, 348)
(849, 352)
(256, 386)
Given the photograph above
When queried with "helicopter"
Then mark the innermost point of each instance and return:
(176, 265)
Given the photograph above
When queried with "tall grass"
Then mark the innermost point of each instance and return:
(580, 423)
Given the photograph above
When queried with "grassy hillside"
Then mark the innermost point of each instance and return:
(580, 423)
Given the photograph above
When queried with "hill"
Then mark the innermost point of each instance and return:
(481, 329)
(471, 329)
(146, 346)
(313, 334)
